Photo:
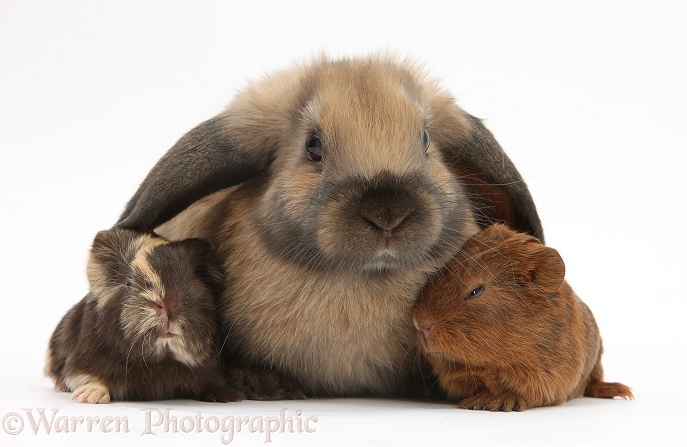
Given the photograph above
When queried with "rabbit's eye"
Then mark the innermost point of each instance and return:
(474, 293)
(425, 140)
(313, 144)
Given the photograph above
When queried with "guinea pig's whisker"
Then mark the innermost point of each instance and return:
(472, 374)
(418, 362)
(235, 319)
(523, 300)
(400, 376)
(143, 350)
(126, 369)
(224, 342)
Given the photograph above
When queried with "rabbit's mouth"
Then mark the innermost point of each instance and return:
(383, 259)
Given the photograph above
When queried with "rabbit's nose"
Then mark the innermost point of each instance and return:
(385, 224)
(386, 206)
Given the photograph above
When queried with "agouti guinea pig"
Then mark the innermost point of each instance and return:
(149, 327)
(504, 331)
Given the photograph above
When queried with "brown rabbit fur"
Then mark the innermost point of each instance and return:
(504, 331)
(148, 330)
(342, 200)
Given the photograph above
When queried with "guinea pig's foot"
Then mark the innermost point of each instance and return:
(608, 390)
(259, 383)
(92, 393)
(501, 402)
(222, 394)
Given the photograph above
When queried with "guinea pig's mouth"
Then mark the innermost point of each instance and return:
(424, 342)
(169, 329)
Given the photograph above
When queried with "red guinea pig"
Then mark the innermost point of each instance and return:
(504, 331)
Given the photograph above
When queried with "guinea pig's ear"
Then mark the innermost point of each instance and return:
(495, 186)
(203, 161)
(206, 263)
(108, 260)
(498, 233)
(544, 267)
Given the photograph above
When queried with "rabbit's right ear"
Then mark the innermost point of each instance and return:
(203, 161)
(495, 186)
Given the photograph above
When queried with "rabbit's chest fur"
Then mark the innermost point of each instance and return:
(336, 332)
(333, 340)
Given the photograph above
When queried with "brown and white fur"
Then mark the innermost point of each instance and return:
(504, 331)
(349, 184)
(148, 329)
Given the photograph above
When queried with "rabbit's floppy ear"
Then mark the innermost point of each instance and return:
(203, 161)
(494, 184)
(221, 152)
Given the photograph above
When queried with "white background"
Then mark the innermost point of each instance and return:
(587, 97)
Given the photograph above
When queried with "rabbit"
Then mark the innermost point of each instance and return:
(504, 331)
(148, 329)
(332, 190)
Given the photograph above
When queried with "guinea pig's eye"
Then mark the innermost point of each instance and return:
(128, 285)
(313, 144)
(474, 293)
(425, 140)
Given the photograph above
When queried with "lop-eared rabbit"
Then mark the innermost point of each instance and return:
(332, 190)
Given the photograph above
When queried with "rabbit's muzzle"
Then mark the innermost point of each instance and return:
(385, 223)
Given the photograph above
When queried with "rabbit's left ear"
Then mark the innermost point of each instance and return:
(201, 162)
(496, 188)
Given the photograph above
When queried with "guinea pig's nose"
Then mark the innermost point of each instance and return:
(427, 329)
(173, 304)
(168, 307)
(424, 326)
